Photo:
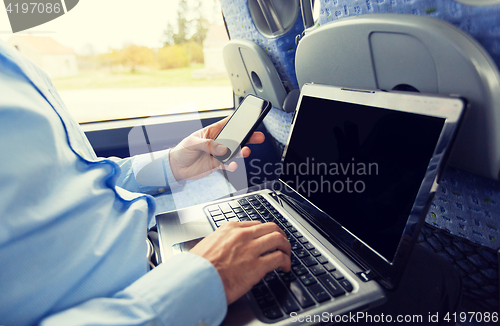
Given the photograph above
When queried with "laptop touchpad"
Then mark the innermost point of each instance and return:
(174, 230)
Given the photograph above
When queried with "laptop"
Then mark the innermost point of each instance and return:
(358, 173)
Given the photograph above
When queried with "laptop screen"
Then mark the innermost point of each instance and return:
(361, 165)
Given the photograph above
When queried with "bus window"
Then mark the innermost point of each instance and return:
(147, 59)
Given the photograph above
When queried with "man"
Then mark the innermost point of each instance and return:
(73, 227)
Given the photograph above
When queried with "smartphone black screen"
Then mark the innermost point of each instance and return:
(241, 125)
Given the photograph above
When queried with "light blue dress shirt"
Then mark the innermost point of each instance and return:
(72, 232)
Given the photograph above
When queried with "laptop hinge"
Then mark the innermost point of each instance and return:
(366, 276)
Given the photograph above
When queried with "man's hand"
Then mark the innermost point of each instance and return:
(243, 252)
(192, 158)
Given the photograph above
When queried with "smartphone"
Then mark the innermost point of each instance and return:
(240, 127)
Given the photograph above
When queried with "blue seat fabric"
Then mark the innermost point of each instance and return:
(481, 22)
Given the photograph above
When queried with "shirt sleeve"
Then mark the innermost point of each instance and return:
(153, 169)
(72, 247)
(167, 295)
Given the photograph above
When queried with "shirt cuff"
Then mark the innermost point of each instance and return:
(184, 290)
(174, 184)
(159, 178)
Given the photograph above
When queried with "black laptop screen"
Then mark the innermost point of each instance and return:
(361, 165)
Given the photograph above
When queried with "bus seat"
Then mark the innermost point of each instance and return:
(410, 52)
(272, 26)
(391, 51)
(463, 226)
(245, 21)
(252, 72)
(478, 18)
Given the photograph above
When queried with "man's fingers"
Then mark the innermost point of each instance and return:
(257, 138)
(243, 224)
(266, 228)
(245, 251)
(210, 132)
(271, 242)
(274, 260)
(245, 152)
(217, 126)
(215, 148)
(233, 225)
(231, 167)
(208, 146)
(257, 229)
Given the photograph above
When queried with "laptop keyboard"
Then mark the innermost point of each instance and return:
(312, 280)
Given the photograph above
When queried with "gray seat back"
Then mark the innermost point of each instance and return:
(252, 72)
(390, 51)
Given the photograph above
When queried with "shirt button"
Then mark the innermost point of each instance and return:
(162, 190)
